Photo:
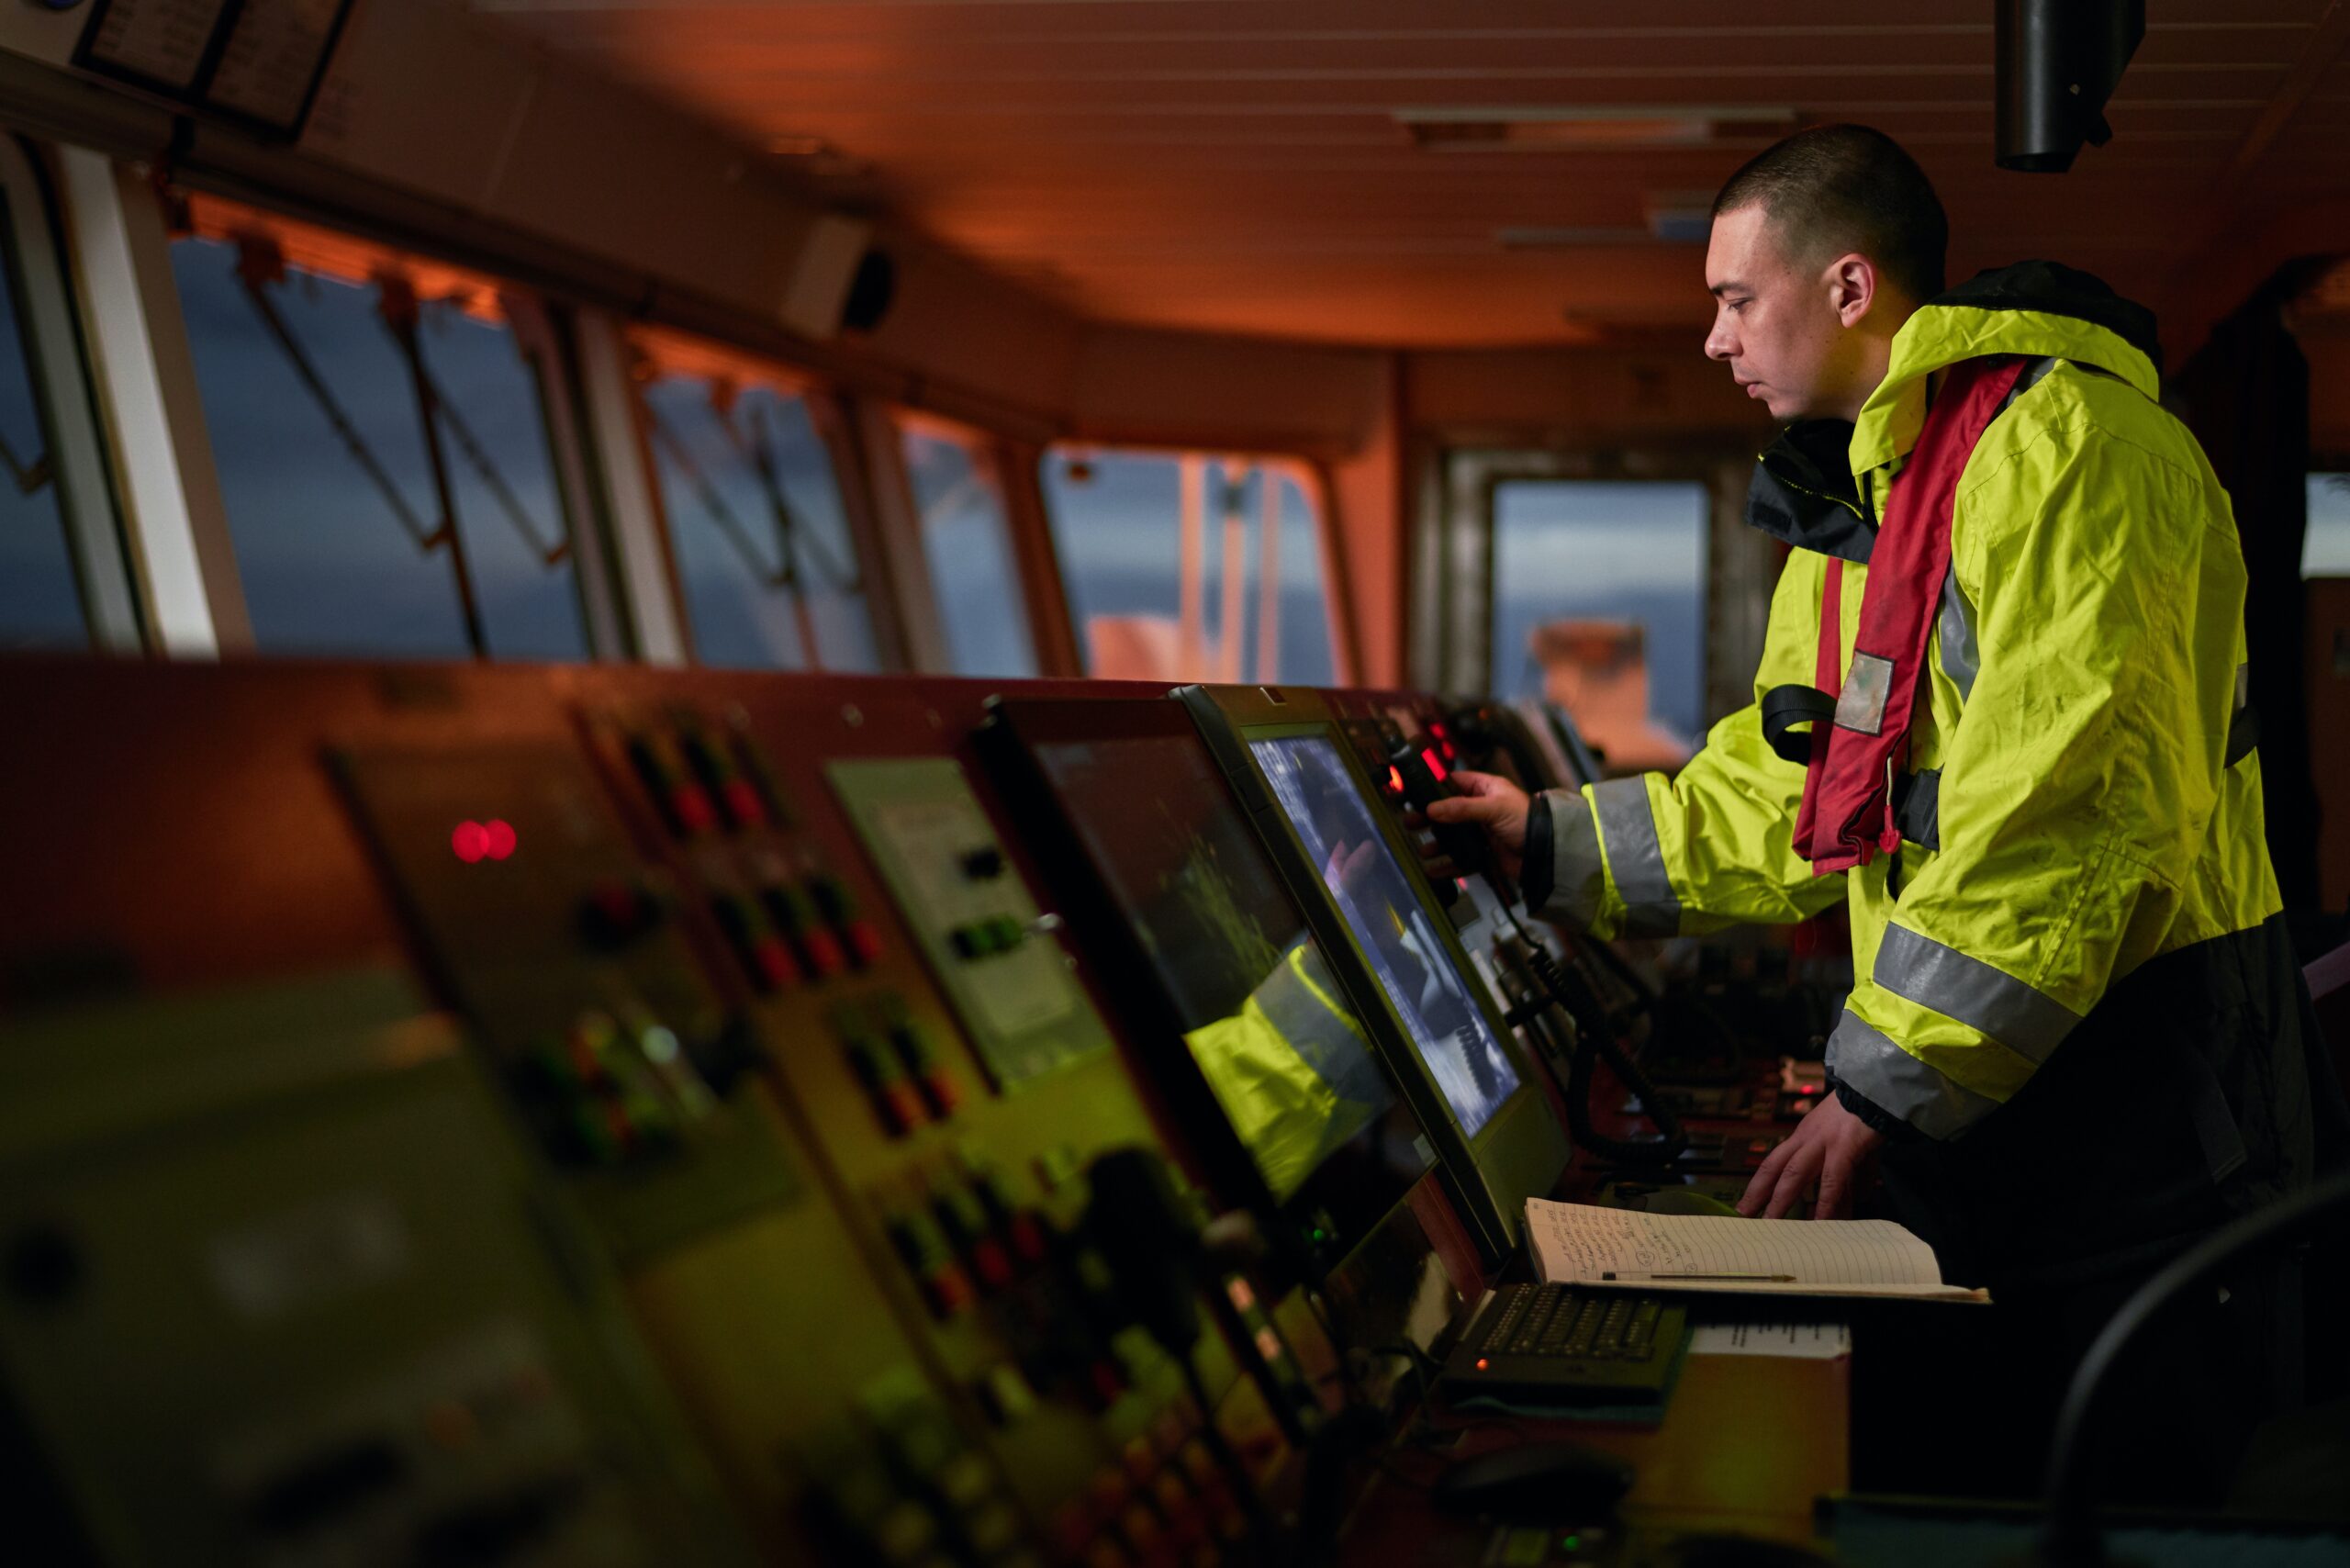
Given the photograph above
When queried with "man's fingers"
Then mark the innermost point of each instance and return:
(1794, 1181)
(1835, 1189)
(1767, 1178)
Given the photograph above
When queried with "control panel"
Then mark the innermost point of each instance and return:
(720, 1188)
(922, 1021)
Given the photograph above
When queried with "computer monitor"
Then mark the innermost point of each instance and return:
(1244, 1028)
(1292, 767)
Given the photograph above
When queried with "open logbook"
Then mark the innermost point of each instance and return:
(1580, 1244)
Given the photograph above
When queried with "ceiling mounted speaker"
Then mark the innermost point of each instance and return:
(2059, 60)
(871, 291)
(823, 275)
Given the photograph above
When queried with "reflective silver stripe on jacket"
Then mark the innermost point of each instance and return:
(2028, 1022)
(1961, 660)
(1651, 908)
(1892, 1079)
(1578, 876)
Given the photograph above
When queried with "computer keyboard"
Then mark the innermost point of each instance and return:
(1557, 1344)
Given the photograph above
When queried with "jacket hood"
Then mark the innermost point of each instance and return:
(2039, 310)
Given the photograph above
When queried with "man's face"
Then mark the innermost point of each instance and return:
(1776, 321)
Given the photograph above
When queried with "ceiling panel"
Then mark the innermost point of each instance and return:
(1235, 165)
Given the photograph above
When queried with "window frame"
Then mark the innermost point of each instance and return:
(2323, 462)
(62, 388)
(1314, 483)
(901, 510)
(541, 343)
(1451, 633)
(838, 421)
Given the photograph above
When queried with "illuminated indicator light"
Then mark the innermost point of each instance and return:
(499, 838)
(1268, 1344)
(1482, 1364)
(1436, 763)
(470, 840)
(1243, 1298)
(1570, 1543)
(1395, 781)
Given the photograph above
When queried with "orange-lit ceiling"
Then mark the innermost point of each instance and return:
(1237, 166)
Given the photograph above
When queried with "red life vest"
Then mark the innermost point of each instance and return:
(1848, 813)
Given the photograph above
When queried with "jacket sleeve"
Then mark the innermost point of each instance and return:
(2078, 782)
(1711, 845)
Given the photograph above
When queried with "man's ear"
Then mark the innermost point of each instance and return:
(1852, 287)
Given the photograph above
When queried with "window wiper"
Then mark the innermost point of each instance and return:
(758, 447)
(258, 266)
(32, 477)
(786, 576)
(477, 458)
(672, 446)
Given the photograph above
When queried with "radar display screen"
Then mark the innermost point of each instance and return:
(1253, 996)
(1391, 924)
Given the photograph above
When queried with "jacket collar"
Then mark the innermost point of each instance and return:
(1804, 495)
(2039, 309)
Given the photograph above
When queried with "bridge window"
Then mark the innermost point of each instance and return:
(967, 542)
(2325, 549)
(41, 588)
(379, 425)
(1192, 566)
(769, 568)
(1599, 603)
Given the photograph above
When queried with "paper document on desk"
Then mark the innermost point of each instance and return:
(1787, 1342)
(1581, 1244)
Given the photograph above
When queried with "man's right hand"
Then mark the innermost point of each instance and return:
(1495, 804)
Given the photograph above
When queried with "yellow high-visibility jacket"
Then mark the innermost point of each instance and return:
(2086, 663)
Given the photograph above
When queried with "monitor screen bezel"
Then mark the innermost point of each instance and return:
(1230, 718)
(1009, 742)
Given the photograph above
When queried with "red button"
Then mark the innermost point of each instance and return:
(901, 1107)
(940, 1092)
(690, 804)
(774, 961)
(991, 1262)
(743, 803)
(825, 955)
(864, 943)
(948, 1290)
(1028, 1238)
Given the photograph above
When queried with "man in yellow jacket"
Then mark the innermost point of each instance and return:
(2075, 1036)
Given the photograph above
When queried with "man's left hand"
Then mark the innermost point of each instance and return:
(1830, 1146)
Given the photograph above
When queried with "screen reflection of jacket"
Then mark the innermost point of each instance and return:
(1291, 1069)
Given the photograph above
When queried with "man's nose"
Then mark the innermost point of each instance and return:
(1719, 343)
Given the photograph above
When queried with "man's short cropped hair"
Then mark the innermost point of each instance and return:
(1836, 188)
